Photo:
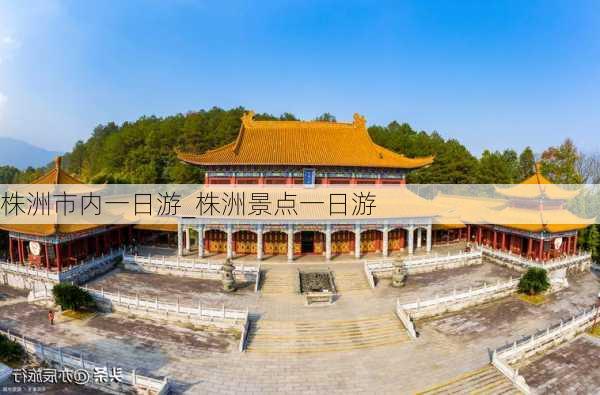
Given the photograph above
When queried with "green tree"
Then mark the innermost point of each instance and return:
(526, 163)
(326, 117)
(534, 281)
(72, 297)
(559, 164)
(589, 240)
(11, 352)
(498, 167)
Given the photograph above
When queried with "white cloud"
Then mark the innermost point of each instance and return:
(8, 40)
(8, 45)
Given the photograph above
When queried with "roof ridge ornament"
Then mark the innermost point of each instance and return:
(248, 118)
(359, 121)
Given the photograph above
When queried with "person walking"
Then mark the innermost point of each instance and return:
(51, 317)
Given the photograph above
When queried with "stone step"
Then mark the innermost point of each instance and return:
(320, 331)
(324, 336)
(279, 324)
(350, 281)
(321, 348)
(484, 381)
(279, 282)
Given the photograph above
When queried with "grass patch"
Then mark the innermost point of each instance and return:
(596, 331)
(78, 315)
(532, 299)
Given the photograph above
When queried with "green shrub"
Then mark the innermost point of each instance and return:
(71, 297)
(11, 353)
(534, 281)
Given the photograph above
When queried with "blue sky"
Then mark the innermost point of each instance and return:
(494, 74)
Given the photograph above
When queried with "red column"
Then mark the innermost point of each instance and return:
(58, 257)
(97, 245)
(495, 242)
(530, 247)
(503, 247)
(10, 249)
(21, 252)
(568, 246)
(46, 256)
(479, 234)
(575, 244)
(541, 251)
(468, 232)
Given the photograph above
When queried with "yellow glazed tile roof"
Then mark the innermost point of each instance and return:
(537, 186)
(474, 210)
(56, 176)
(304, 143)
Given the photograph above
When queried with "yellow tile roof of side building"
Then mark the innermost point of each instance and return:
(304, 143)
(56, 176)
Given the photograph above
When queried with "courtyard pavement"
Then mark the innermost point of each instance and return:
(206, 360)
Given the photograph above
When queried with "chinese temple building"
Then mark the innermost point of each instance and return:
(55, 247)
(297, 152)
(305, 153)
(535, 223)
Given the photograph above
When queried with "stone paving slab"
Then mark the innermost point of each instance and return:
(509, 318)
(7, 293)
(572, 368)
(191, 291)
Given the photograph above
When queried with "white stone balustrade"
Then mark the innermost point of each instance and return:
(68, 360)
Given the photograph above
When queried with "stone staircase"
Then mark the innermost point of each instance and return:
(485, 381)
(324, 336)
(279, 281)
(350, 281)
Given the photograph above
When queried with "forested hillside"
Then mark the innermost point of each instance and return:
(144, 151)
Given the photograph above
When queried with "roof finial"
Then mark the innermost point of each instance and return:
(359, 121)
(247, 118)
(57, 162)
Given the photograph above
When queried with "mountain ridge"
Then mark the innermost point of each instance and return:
(21, 154)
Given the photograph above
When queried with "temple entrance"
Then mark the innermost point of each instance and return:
(397, 239)
(371, 241)
(342, 242)
(215, 241)
(275, 243)
(244, 242)
(307, 242)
